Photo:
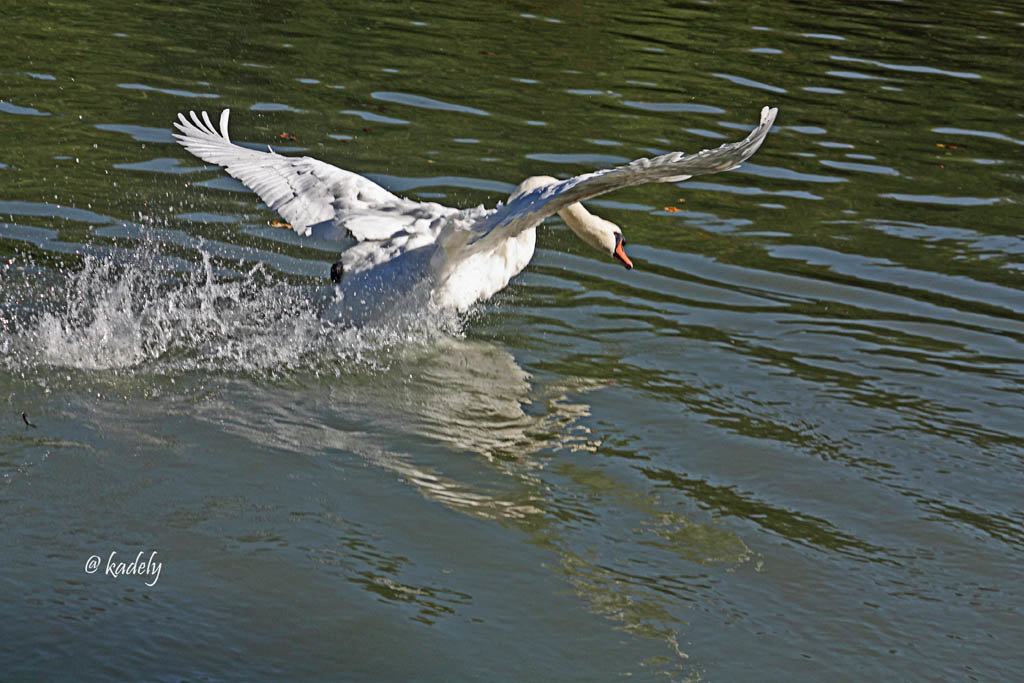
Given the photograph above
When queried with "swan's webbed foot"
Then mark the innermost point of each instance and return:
(337, 271)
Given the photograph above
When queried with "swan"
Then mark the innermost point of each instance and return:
(416, 253)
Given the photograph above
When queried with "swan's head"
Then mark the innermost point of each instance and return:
(597, 232)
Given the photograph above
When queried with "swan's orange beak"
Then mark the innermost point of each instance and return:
(620, 252)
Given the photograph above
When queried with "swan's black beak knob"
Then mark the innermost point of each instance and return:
(620, 252)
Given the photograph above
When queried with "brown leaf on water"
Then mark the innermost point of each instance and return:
(673, 209)
(280, 224)
(288, 136)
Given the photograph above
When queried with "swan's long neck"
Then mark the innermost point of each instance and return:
(592, 229)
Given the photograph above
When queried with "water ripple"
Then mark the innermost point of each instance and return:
(977, 133)
(859, 168)
(140, 133)
(375, 118)
(750, 83)
(941, 199)
(425, 102)
(675, 107)
(10, 108)
(912, 68)
(169, 91)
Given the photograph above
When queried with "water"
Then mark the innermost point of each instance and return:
(787, 446)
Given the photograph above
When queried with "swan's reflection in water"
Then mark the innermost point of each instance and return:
(461, 422)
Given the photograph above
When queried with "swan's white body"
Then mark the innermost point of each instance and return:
(423, 253)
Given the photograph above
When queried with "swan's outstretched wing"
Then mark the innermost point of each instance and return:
(304, 191)
(530, 208)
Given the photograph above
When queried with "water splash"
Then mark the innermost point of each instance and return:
(135, 314)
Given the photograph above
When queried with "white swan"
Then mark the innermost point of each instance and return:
(422, 253)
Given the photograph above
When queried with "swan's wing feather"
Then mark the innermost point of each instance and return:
(303, 190)
(530, 208)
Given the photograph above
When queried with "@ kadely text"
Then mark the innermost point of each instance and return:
(115, 567)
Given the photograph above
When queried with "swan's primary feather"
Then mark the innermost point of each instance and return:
(530, 208)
